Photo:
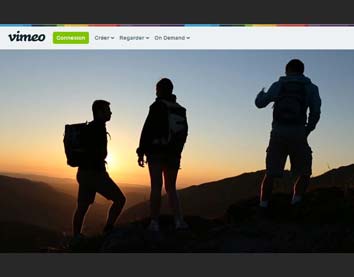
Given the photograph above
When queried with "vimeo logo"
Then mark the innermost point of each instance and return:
(26, 37)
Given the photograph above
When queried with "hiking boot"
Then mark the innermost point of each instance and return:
(77, 240)
(181, 225)
(297, 210)
(154, 226)
(296, 200)
(265, 213)
(108, 229)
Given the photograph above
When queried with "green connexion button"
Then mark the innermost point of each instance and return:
(70, 37)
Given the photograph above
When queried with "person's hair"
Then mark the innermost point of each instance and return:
(295, 66)
(99, 105)
(164, 86)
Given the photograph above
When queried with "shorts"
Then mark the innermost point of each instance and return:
(298, 150)
(92, 181)
(166, 161)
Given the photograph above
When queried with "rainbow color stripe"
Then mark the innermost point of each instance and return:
(176, 25)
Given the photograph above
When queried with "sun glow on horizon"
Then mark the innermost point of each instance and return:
(227, 136)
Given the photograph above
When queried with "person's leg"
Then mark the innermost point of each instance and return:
(109, 189)
(86, 196)
(113, 213)
(155, 170)
(300, 187)
(301, 165)
(79, 216)
(275, 162)
(170, 176)
(266, 190)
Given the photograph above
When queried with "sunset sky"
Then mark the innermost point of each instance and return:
(41, 91)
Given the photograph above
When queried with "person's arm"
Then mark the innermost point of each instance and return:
(264, 98)
(315, 110)
(180, 144)
(187, 126)
(145, 134)
(149, 131)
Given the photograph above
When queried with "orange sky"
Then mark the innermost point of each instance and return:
(228, 135)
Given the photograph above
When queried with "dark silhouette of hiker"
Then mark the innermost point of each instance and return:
(92, 175)
(292, 95)
(162, 140)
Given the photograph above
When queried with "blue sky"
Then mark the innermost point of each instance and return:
(41, 91)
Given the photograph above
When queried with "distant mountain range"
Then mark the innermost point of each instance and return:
(63, 183)
(38, 203)
(211, 200)
(134, 193)
(34, 215)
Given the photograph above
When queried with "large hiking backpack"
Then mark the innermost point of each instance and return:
(177, 125)
(73, 143)
(290, 106)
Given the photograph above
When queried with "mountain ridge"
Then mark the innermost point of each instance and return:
(212, 199)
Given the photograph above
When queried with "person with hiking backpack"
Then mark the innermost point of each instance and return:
(89, 154)
(162, 140)
(293, 95)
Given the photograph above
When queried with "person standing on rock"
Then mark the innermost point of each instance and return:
(162, 140)
(293, 95)
(92, 175)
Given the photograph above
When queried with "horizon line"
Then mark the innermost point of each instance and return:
(184, 185)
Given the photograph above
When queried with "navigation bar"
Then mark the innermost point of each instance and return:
(177, 38)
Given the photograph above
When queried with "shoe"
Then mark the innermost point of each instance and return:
(154, 226)
(77, 240)
(296, 200)
(298, 211)
(108, 229)
(181, 225)
(264, 213)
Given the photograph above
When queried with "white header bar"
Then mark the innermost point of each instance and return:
(166, 38)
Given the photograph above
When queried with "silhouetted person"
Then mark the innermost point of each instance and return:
(162, 140)
(92, 175)
(292, 95)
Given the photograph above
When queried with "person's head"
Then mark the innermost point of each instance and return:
(295, 67)
(101, 110)
(164, 87)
